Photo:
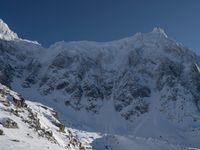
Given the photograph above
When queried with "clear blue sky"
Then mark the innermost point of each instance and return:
(48, 21)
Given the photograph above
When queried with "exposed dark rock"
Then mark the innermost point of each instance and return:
(61, 85)
(6, 72)
(61, 61)
(60, 126)
(8, 123)
(19, 102)
(168, 73)
(15, 112)
(134, 57)
(90, 90)
(1, 132)
(6, 103)
(49, 133)
(15, 140)
(141, 92)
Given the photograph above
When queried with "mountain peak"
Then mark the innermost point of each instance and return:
(6, 33)
(159, 30)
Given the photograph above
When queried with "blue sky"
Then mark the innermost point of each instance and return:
(48, 21)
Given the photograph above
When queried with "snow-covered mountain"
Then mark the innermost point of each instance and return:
(140, 92)
(6, 33)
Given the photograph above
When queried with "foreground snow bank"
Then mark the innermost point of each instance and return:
(36, 126)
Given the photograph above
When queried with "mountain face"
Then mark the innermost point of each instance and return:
(140, 92)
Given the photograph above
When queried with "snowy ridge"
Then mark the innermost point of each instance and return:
(159, 31)
(6, 33)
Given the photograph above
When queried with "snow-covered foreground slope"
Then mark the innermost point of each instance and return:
(141, 92)
(32, 126)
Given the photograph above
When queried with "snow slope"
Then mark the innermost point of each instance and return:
(38, 126)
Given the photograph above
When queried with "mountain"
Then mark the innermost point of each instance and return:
(139, 92)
